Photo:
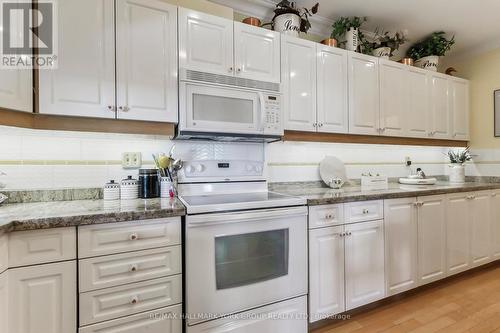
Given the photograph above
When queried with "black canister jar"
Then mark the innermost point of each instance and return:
(149, 186)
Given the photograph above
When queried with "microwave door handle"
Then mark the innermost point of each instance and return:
(262, 112)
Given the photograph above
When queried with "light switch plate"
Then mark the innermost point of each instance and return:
(131, 160)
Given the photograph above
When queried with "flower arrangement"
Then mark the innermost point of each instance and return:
(459, 157)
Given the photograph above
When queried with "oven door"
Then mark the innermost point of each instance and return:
(242, 260)
(218, 109)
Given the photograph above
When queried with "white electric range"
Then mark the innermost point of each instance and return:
(246, 251)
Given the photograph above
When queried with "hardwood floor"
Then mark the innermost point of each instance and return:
(469, 303)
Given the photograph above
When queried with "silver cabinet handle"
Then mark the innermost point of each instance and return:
(238, 70)
(133, 236)
(124, 108)
(231, 69)
(133, 268)
(134, 300)
(111, 108)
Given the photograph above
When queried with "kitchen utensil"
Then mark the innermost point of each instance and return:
(129, 188)
(149, 186)
(111, 191)
(166, 187)
(330, 169)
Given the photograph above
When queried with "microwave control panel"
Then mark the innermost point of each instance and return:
(272, 114)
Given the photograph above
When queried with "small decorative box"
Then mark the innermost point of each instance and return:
(374, 182)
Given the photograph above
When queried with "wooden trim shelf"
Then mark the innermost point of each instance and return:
(369, 139)
(82, 124)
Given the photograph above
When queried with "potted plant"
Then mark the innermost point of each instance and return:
(290, 19)
(346, 31)
(386, 44)
(426, 53)
(457, 166)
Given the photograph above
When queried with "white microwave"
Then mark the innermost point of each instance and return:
(228, 108)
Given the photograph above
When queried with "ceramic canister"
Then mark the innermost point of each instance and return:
(129, 188)
(111, 191)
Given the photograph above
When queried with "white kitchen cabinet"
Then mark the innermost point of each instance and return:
(364, 94)
(43, 298)
(364, 263)
(205, 42)
(458, 233)
(83, 83)
(257, 53)
(418, 115)
(326, 272)
(332, 95)
(460, 108)
(298, 68)
(16, 92)
(4, 303)
(440, 109)
(495, 224)
(480, 228)
(146, 62)
(394, 98)
(431, 238)
(400, 245)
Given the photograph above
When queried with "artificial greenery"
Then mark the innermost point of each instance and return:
(343, 24)
(434, 45)
(382, 39)
(290, 7)
(460, 157)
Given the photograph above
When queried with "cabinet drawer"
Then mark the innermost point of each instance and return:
(103, 239)
(116, 302)
(41, 246)
(165, 320)
(364, 211)
(324, 216)
(119, 269)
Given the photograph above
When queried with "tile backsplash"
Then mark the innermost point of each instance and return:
(36, 159)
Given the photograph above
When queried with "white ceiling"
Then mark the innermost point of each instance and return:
(475, 24)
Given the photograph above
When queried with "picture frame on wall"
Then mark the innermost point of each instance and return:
(496, 101)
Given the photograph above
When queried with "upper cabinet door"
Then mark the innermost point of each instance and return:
(146, 49)
(364, 115)
(460, 108)
(333, 111)
(205, 42)
(394, 98)
(256, 53)
(83, 84)
(418, 121)
(440, 107)
(16, 90)
(298, 72)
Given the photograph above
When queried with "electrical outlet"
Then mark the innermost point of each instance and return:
(131, 160)
(408, 161)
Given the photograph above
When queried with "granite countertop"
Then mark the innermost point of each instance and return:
(51, 214)
(317, 194)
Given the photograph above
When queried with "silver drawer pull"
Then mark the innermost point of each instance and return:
(133, 268)
(134, 300)
(329, 216)
(366, 211)
(133, 236)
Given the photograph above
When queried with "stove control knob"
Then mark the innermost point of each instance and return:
(190, 169)
(200, 168)
(258, 168)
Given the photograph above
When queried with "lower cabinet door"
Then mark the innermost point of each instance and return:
(457, 233)
(364, 263)
(432, 239)
(400, 245)
(326, 272)
(4, 315)
(287, 316)
(43, 298)
(165, 320)
(480, 228)
(495, 224)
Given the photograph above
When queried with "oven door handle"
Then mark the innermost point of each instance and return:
(246, 216)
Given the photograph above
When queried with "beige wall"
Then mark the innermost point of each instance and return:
(484, 73)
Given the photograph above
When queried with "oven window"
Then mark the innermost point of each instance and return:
(222, 109)
(250, 258)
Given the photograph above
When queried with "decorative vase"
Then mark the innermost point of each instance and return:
(288, 24)
(382, 52)
(352, 39)
(430, 63)
(457, 173)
